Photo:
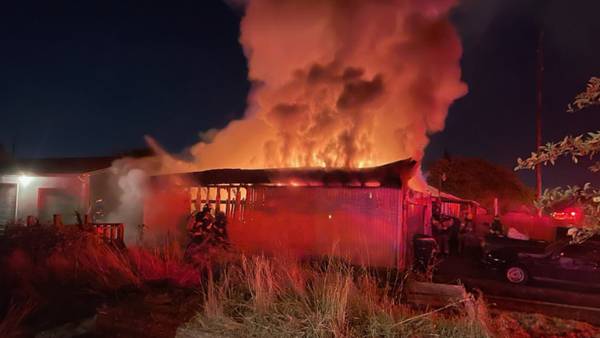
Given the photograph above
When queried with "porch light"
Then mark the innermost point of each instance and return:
(24, 180)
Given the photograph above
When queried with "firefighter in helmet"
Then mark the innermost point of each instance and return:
(220, 230)
(200, 224)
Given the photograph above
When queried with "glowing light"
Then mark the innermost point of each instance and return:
(329, 216)
(25, 180)
(564, 215)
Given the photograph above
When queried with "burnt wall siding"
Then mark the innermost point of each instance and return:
(361, 225)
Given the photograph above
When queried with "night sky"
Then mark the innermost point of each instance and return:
(86, 78)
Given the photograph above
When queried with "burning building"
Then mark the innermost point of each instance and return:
(335, 84)
(366, 216)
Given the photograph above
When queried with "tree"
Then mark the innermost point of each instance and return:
(590, 97)
(575, 147)
(479, 180)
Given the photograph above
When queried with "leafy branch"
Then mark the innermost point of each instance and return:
(590, 97)
(585, 145)
(586, 197)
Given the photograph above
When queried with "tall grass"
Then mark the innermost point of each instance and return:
(165, 264)
(10, 324)
(82, 261)
(63, 266)
(242, 297)
(261, 297)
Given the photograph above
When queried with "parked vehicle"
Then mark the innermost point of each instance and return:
(493, 243)
(562, 262)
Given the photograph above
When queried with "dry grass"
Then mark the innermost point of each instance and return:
(251, 297)
(71, 265)
(526, 325)
(260, 297)
(82, 261)
(163, 264)
(10, 324)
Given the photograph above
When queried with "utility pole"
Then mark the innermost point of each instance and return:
(538, 110)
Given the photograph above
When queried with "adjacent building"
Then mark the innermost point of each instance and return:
(44, 187)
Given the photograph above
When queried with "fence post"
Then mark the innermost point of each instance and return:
(228, 206)
(238, 197)
(121, 233)
(57, 220)
(111, 232)
(218, 200)
(106, 231)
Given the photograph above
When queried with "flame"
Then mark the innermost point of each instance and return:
(339, 84)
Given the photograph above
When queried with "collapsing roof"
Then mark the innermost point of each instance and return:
(394, 174)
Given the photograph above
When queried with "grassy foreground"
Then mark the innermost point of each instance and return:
(260, 297)
(237, 296)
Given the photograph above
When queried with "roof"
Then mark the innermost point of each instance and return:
(65, 165)
(394, 174)
(50, 166)
(449, 198)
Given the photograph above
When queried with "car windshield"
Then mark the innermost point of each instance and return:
(554, 246)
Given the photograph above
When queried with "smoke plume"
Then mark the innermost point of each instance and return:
(337, 83)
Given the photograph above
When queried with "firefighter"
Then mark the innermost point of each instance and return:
(453, 235)
(220, 230)
(441, 234)
(208, 220)
(496, 227)
(200, 224)
(467, 235)
(141, 229)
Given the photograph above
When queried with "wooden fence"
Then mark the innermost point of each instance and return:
(113, 233)
(110, 232)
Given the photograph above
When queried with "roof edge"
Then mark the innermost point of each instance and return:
(394, 174)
